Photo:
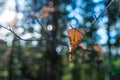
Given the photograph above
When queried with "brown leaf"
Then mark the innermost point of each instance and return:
(98, 48)
(75, 36)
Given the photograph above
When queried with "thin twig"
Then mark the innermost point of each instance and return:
(71, 26)
(18, 37)
(96, 18)
(9, 29)
(39, 22)
(42, 31)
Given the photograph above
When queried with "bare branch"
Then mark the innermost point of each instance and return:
(18, 37)
(96, 18)
(9, 29)
(39, 22)
(71, 26)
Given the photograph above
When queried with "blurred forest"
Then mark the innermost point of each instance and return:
(40, 49)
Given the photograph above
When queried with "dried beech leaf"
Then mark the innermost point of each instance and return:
(75, 36)
(98, 48)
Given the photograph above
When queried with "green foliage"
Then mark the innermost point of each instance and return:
(116, 66)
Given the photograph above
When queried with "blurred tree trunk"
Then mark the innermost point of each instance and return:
(110, 22)
(11, 70)
(109, 55)
(14, 61)
(52, 58)
(11, 75)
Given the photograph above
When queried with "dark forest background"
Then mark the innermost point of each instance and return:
(45, 57)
